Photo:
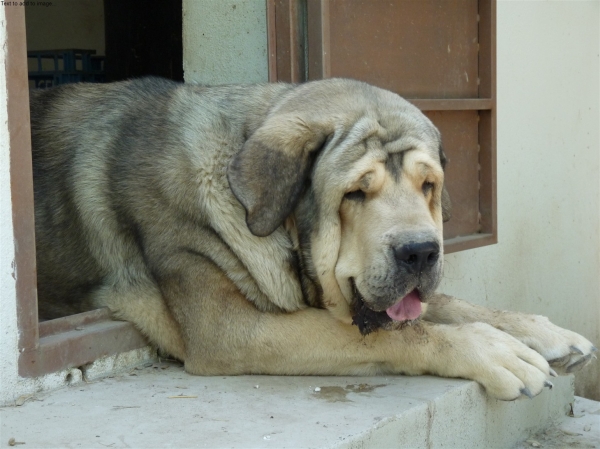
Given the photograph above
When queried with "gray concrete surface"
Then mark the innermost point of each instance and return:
(579, 428)
(161, 406)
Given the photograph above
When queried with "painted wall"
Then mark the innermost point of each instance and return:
(8, 311)
(225, 41)
(547, 260)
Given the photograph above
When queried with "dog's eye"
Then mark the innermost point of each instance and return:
(427, 187)
(356, 195)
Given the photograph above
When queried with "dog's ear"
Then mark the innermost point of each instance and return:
(446, 203)
(267, 176)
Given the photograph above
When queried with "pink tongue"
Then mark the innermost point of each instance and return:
(407, 309)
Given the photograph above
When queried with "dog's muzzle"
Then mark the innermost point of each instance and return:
(415, 272)
(404, 312)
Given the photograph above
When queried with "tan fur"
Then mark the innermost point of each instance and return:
(249, 226)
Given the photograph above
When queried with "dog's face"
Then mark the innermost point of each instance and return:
(361, 170)
(390, 254)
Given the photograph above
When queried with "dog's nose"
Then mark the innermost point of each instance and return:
(415, 257)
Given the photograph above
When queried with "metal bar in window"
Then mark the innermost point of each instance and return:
(272, 40)
(318, 39)
(296, 58)
(286, 40)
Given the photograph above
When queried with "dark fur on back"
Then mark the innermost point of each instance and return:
(67, 270)
(111, 153)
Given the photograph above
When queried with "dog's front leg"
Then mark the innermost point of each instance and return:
(225, 334)
(566, 351)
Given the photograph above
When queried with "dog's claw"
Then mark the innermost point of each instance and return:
(576, 349)
(581, 362)
(553, 373)
(560, 361)
(525, 391)
(548, 384)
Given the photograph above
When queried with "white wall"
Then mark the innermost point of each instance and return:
(547, 260)
(225, 41)
(8, 311)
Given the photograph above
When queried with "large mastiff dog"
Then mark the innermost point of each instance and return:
(268, 229)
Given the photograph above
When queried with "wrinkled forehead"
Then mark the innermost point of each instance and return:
(384, 128)
(404, 127)
(409, 132)
(364, 118)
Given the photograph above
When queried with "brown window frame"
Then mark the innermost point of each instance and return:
(72, 341)
(298, 49)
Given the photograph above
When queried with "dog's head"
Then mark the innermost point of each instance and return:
(361, 171)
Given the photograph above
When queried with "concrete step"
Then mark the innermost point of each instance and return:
(579, 428)
(161, 406)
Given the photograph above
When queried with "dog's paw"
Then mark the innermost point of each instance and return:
(507, 368)
(566, 351)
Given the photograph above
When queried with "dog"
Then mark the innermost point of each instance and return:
(268, 229)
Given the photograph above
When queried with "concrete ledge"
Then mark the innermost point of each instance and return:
(161, 406)
(464, 417)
